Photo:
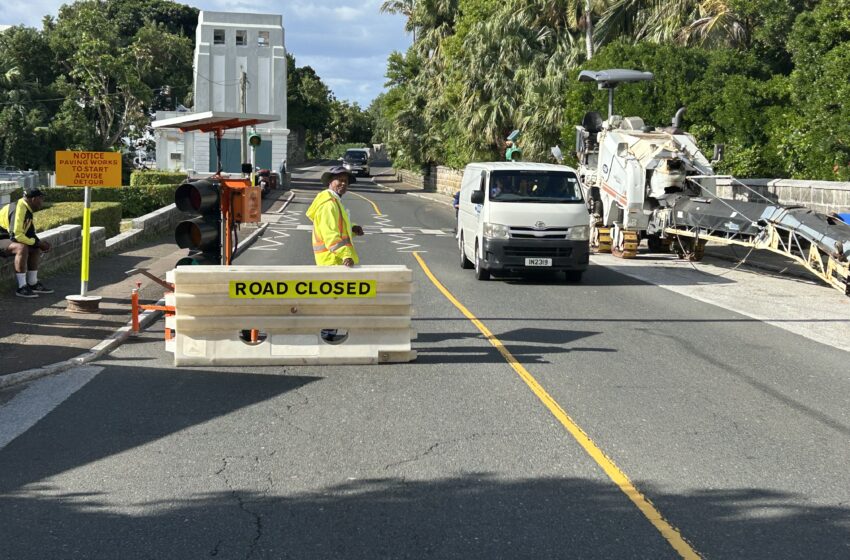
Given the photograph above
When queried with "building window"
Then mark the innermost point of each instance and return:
(241, 37)
(218, 36)
(263, 39)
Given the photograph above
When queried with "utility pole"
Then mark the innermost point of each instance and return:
(243, 107)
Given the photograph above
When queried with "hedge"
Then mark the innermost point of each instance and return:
(144, 178)
(138, 201)
(106, 214)
(135, 201)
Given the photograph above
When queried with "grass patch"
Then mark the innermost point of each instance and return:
(105, 214)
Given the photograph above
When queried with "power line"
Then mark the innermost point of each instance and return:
(34, 102)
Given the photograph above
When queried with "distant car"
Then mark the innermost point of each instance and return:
(357, 161)
(9, 169)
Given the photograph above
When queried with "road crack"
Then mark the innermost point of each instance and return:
(243, 504)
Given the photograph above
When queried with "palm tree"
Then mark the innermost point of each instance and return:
(580, 16)
(706, 23)
(403, 7)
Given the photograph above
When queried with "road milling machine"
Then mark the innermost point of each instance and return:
(650, 182)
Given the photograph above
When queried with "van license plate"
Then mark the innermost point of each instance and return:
(538, 262)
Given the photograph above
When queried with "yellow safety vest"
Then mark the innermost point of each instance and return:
(16, 222)
(331, 231)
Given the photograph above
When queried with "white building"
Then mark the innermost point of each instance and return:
(226, 45)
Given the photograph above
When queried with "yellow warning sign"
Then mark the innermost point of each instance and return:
(303, 289)
(88, 169)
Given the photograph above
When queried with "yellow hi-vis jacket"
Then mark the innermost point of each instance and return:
(16, 223)
(331, 231)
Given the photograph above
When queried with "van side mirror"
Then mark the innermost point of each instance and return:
(477, 197)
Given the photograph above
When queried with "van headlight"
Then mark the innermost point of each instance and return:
(496, 231)
(579, 233)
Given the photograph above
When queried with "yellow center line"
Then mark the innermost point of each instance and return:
(617, 476)
(375, 206)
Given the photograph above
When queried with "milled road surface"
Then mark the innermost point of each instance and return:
(724, 420)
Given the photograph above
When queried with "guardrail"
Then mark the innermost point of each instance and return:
(287, 308)
(820, 196)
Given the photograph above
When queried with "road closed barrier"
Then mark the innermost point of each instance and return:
(276, 315)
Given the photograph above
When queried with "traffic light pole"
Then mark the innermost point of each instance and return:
(217, 198)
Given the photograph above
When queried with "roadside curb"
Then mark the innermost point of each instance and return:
(388, 189)
(104, 347)
(107, 345)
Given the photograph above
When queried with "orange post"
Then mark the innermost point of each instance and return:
(255, 335)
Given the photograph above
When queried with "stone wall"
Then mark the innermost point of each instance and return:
(821, 196)
(411, 178)
(445, 179)
(66, 247)
(296, 149)
(67, 241)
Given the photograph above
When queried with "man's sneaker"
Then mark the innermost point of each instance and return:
(39, 288)
(25, 291)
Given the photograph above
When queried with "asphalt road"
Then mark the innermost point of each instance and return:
(636, 421)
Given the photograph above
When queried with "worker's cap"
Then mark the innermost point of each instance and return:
(334, 171)
(33, 192)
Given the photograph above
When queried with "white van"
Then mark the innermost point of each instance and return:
(518, 217)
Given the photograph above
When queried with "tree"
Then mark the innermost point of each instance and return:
(817, 136)
(403, 7)
(707, 23)
(26, 75)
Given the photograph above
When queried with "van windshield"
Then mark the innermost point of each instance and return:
(355, 155)
(534, 186)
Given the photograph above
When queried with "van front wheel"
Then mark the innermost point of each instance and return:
(465, 263)
(481, 273)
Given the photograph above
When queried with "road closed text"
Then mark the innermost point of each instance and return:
(303, 289)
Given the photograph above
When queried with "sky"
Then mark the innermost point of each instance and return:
(346, 42)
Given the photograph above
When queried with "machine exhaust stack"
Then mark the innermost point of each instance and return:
(677, 118)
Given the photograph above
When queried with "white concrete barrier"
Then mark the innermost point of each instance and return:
(290, 306)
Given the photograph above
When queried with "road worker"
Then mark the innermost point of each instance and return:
(332, 229)
(18, 238)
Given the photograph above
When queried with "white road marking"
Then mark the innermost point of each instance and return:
(39, 398)
(811, 310)
(281, 225)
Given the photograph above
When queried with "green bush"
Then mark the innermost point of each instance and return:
(105, 214)
(135, 201)
(138, 201)
(144, 178)
(78, 194)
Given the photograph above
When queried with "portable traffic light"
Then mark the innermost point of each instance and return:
(201, 234)
(513, 152)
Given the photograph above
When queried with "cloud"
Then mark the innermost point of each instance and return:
(340, 39)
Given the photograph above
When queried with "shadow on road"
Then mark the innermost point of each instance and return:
(476, 515)
(131, 407)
